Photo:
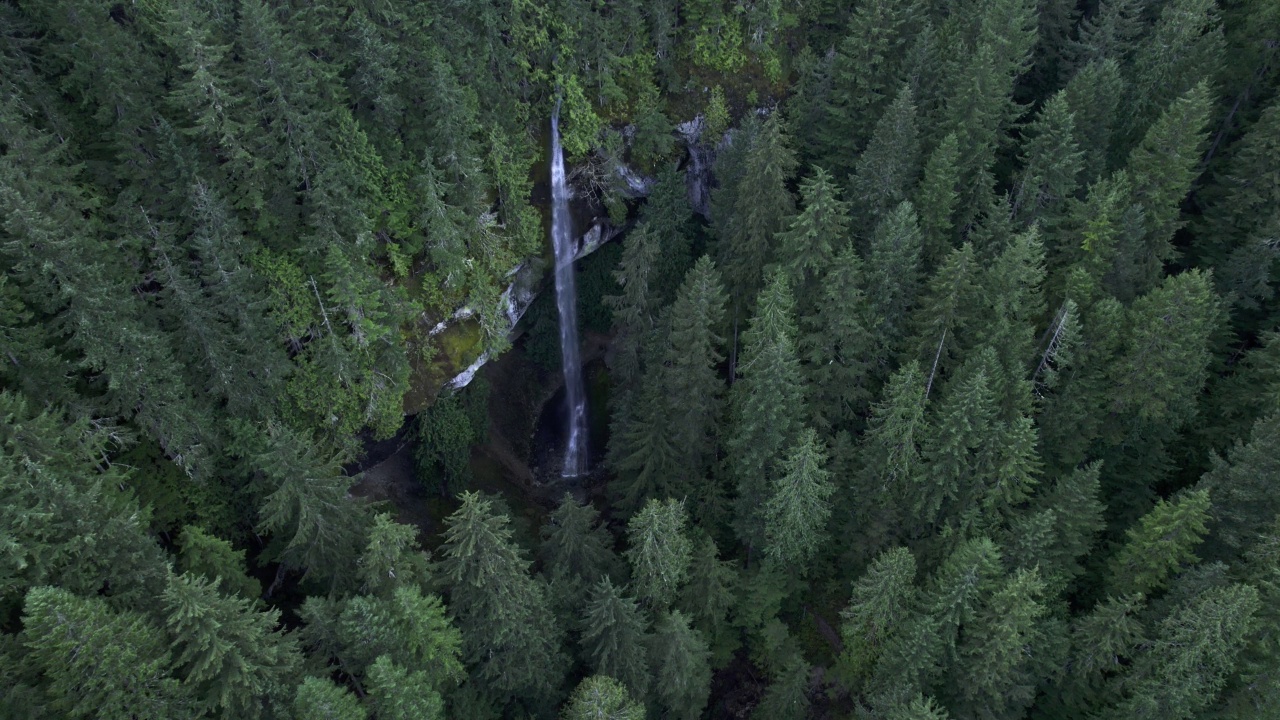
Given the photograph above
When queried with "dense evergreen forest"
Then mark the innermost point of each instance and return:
(941, 352)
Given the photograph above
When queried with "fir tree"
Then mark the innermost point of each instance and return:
(787, 696)
(796, 513)
(681, 675)
(884, 599)
(321, 699)
(893, 278)
(401, 694)
(576, 550)
(936, 199)
(889, 168)
(211, 557)
(614, 634)
(1051, 165)
(600, 697)
(98, 663)
(766, 403)
(659, 551)
(1243, 509)
(502, 613)
(805, 250)
(837, 345)
(1163, 540)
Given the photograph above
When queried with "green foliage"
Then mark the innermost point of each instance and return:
(446, 431)
(600, 697)
(204, 555)
(796, 513)
(659, 551)
(678, 660)
(322, 699)
(1163, 539)
(614, 632)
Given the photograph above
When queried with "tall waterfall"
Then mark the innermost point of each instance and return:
(575, 453)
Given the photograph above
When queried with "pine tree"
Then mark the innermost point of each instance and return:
(893, 278)
(837, 346)
(98, 663)
(766, 404)
(689, 363)
(1184, 49)
(507, 627)
(1163, 540)
(211, 557)
(1094, 96)
(600, 697)
(996, 674)
(1162, 168)
(709, 595)
(614, 634)
(633, 310)
(884, 599)
(576, 551)
(230, 655)
(1239, 216)
(315, 524)
(678, 658)
(889, 454)
(401, 694)
(659, 551)
(889, 168)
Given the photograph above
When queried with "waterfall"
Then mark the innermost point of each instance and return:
(575, 453)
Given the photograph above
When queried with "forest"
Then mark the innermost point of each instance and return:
(932, 350)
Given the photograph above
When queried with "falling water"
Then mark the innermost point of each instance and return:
(575, 452)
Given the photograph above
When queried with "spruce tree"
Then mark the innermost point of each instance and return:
(787, 696)
(709, 596)
(893, 279)
(576, 551)
(211, 557)
(836, 344)
(1094, 96)
(1243, 508)
(805, 250)
(614, 634)
(402, 694)
(936, 199)
(889, 454)
(321, 699)
(633, 310)
(997, 674)
(884, 599)
(1051, 165)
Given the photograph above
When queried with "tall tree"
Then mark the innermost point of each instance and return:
(678, 657)
(600, 696)
(614, 634)
(889, 168)
(796, 514)
(507, 628)
(659, 551)
(1163, 540)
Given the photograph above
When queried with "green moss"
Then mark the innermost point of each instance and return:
(438, 359)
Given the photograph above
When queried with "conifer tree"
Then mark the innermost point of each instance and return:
(869, 65)
(787, 697)
(392, 558)
(1184, 49)
(996, 674)
(600, 697)
(837, 344)
(709, 595)
(805, 250)
(230, 655)
(951, 305)
(961, 586)
(936, 199)
(888, 170)
(766, 403)
(508, 631)
(761, 205)
(1163, 539)
(98, 663)
(1103, 642)
(316, 698)
(884, 599)
(1051, 165)
(407, 627)
(796, 513)
(1193, 652)
(401, 694)
(960, 448)
(918, 708)
(1243, 508)
(1162, 168)
(315, 524)
(890, 452)
(211, 557)
(893, 278)
(1059, 529)
(1111, 33)
(633, 310)
(659, 551)
(614, 634)
(678, 657)
(1094, 96)
(576, 550)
